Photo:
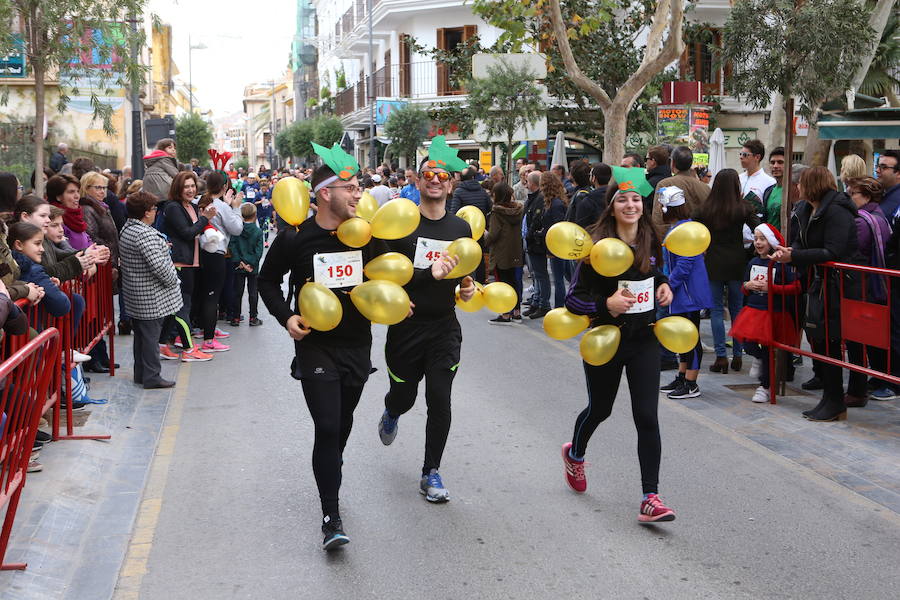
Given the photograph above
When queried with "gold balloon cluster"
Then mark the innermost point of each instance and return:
(291, 200)
(610, 257)
(497, 297)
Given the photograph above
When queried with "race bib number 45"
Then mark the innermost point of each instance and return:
(338, 269)
(428, 252)
(642, 291)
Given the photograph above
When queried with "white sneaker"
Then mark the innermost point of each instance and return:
(754, 369)
(80, 357)
(760, 395)
(707, 349)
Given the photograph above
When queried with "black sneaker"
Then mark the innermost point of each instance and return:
(43, 437)
(538, 314)
(333, 530)
(517, 317)
(687, 389)
(500, 320)
(254, 322)
(234, 322)
(75, 405)
(812, 384)
(679, 380)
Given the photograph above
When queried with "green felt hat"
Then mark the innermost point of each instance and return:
(632, 179)
(343, 164)
(443, 156)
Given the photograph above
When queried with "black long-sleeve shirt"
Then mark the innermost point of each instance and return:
(433, 299)
(294, 250)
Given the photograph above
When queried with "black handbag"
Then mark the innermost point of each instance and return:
(815, 317)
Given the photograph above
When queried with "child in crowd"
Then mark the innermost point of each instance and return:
(755, 324)
(264, 209)
(690, 288)
(27, 244)
(246, 251)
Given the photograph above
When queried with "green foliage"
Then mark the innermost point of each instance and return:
(809, 50)
(241, 163)
(447, 115)
(341, 79)
(325, 92)
(283, 143)
(328, 130)
(301, 136)
(296, 140)
(881, 78)
(407, 129)
(194, 137)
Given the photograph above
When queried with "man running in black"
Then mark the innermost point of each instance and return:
(331, 365)
(428, 344)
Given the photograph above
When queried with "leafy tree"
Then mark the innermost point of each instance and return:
(283, 143)
(194, 137)
(241, 163)
(327, 131)
(56, 45)
(407, 129)
(301, 135)
(506, 101)
(881, 75)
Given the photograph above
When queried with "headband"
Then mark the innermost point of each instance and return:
(325, 183)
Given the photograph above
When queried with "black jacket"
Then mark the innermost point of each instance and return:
(828, 234)
(575, 198)
(116, 210)
(182, 232)
(589, 208)
(471, 193)
(726, 258)
(654, 176)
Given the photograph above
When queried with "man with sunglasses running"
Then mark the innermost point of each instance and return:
(428, 343)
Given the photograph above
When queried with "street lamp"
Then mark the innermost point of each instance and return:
(191, 48)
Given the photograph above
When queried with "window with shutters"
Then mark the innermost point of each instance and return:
(698, 62)
(404, 66)
(448, 39)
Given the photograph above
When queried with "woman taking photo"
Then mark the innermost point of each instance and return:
(228, 222)
(504, 238)
(826, 232)
(628, 301)
(725, 213)
(184, 223)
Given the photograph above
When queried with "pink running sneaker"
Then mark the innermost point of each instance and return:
(574, 470)
(195, 355)
(166, 353)
(178, 343)
(652, 510)
(221, 335)
(214, 346)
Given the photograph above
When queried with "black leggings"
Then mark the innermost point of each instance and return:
(438, 386)
(331, 406)
(640, 359)
(695, 356)
(212, 272)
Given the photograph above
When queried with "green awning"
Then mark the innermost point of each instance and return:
(521, 152)
(859, 130)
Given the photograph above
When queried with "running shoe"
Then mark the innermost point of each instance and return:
(234, 322)
(653, 510)
(178, 343)
(687, 389)
(254, 322)
(80, 357)
(333, 530)
(433, 488)
(500, 320)
(885, 393)
(195, 355)
(214, 346)
(574, 470)
(166, 353)
(671, 387)
(387, 428)
(221, 335)
(754, 368)
(197, 333)
(760, 395)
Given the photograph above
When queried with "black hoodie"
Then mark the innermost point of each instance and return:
(468, 193)
(826, 234)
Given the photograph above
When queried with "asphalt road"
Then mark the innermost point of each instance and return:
(237, 513)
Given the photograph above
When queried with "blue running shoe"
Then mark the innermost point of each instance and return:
(885, 393)
(432, 487)
(333, 531)
(387, 428)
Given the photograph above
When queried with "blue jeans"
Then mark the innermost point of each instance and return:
(541, 278)
(717, 314)
(560, 268)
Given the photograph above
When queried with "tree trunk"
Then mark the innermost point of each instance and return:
(508, 164)
(614, 130)
(777, 123)
(39, 102)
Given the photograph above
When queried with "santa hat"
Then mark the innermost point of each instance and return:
(772, 235)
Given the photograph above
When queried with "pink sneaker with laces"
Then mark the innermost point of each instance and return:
(166, 353)
(214, 346)
(221, 335)
(574, 470)
(653, 510)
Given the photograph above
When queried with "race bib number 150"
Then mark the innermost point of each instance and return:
(338, 269)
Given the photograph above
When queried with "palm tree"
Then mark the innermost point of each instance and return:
(882, 78)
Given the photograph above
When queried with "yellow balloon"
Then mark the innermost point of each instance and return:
(688, 239)
(381, 301)
(469, 253)
(677, 334)
(475, 218)
(354, 232)
(600, 344)
(319, 306)
(500, 297)
(611, 257)
(475, 303)
(291, 200)
(395, 219)
(568, 240)
(390, 266)
(560, 324)
(367, 206)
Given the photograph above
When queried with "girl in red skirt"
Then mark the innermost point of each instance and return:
(755, 325)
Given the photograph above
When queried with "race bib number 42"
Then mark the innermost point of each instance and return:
(428, 252)
(338, 269)
(759, 273)
(642, 291)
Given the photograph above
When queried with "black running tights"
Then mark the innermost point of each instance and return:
(331, 406)
(640, 360)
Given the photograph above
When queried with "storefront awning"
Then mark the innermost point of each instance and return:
(859, 130)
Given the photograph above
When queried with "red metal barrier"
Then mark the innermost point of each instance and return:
(24, 377)
(864, 321)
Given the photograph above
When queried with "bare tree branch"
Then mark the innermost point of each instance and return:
(589, 86)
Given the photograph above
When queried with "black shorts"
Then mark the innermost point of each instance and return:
(350, 366)
(414, 348)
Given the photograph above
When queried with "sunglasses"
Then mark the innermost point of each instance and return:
(882, 167)
(441, 175)
(745, 154)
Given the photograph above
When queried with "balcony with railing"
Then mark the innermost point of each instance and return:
(417, 80)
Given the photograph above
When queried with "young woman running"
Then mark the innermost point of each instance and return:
(626, 301)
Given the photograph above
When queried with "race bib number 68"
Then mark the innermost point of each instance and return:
(642, 291)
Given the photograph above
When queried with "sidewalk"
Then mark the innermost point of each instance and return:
(75, 518)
